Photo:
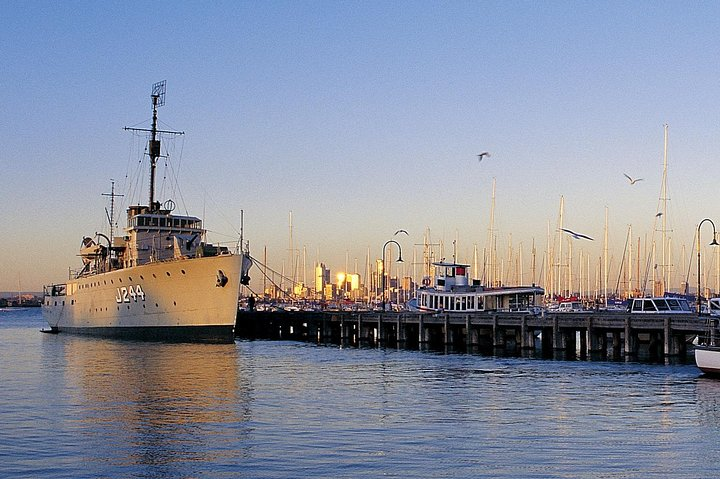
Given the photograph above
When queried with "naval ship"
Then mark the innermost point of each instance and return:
(159, 281)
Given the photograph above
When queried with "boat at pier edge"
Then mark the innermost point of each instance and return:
(159, 281)
(707, 347)
(452, 292)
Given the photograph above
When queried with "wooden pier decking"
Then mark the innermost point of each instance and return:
(587, 332)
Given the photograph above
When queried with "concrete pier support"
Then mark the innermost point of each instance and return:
(527, 335)
(468, 336)
(596, 339)
(401, 332)
(670, 346)
(421, 331)
(558, 336)
(631, 340)
(446, 330)
(498, 333)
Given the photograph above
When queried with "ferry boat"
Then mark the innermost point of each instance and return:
(452, 292)
(159, 280)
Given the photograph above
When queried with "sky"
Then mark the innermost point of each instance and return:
(362, 118)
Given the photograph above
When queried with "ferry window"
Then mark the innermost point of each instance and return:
(661, 305)
(648, 305)
(685, 305)
(637, 305)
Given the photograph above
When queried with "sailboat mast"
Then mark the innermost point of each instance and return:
(664, 216)
(491, 235)
(605, 260)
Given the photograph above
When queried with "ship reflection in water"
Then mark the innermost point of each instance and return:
(156, 409)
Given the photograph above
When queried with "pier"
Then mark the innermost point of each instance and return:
(597, 333)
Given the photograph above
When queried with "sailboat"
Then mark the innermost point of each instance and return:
(159, 280)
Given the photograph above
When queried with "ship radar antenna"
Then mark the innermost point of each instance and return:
(158, 99)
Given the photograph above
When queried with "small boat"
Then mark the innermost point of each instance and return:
(707, 358)
(159, 280)
(452, 292)
(707, 347)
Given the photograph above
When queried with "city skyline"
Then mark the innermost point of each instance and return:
(363, 119)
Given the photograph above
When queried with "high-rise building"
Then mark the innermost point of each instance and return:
(322, 279)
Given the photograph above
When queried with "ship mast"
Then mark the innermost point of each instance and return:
(158, 99)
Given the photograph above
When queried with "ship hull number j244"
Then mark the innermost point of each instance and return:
(129, 293)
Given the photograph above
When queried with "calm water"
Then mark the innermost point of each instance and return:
(81, 407)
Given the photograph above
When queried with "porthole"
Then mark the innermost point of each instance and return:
(182, 271)
(120, 279)
(130, 278)
(141, 278)
(167, 273)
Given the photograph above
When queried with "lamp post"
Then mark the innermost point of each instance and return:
(399, 260)
(713, 243)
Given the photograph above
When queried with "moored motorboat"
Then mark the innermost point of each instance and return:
(707, 358)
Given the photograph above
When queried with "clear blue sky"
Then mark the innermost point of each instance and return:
(361, 118)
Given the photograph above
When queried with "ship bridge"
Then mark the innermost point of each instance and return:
(159, 235)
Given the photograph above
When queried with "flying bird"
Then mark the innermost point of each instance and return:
(401, 231)
(482, 155)
(576, 235)
(631, 180)
(658, 215)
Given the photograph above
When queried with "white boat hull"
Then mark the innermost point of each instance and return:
(708, 359)
(181, 299)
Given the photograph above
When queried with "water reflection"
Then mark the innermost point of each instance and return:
(159, 409)
(708, 401)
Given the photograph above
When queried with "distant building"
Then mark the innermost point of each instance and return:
(322, 279)
(348, 286)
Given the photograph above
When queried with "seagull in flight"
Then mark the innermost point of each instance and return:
(401, 231)
(482, 155)
(632, 180)
(576, 235)
(658, 215)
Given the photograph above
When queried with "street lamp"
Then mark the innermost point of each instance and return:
(399, 260)
(713, 243)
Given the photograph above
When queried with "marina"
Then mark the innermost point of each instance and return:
(432, 240)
